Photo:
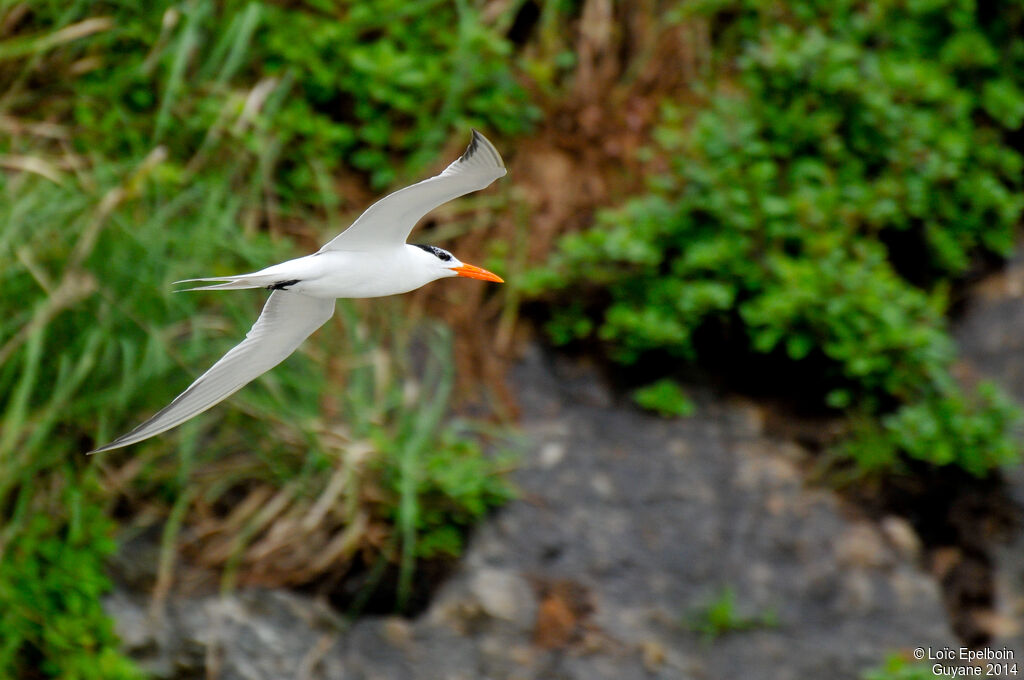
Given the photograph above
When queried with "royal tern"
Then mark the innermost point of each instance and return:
(369, 259)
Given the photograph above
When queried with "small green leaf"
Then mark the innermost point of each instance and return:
(664, 397)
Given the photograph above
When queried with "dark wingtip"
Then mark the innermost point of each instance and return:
(478, 141)
(474, 143)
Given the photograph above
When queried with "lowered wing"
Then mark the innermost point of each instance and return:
(287, 319)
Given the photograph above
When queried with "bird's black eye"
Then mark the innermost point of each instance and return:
(439, 253)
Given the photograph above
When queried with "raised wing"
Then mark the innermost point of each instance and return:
(387, 223)
(287, 319)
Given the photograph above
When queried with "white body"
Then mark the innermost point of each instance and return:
(369, 259)
(357, 274)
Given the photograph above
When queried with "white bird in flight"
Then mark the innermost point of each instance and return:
(369, 259)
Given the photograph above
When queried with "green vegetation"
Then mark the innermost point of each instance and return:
(434, 480)
(665, 397)
(142, 146)
(51, 578)
(898, 668)
(721, 615)
(853, 164)
(364, 85)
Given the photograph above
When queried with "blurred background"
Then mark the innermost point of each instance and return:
(748, 404)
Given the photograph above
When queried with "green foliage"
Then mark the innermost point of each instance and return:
(435, 478)
(457, 486)
(431, 66)
(438, 489)
(51, 579)
(664, 397)
(949, 427)
(720, 615)
(822, 214)
(898, 668)
(346, 84)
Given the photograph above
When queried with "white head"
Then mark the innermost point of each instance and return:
(442, 263)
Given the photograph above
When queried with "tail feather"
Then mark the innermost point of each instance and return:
(230, 285)
(229, 282)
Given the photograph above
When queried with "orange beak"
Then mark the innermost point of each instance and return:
(473, 272)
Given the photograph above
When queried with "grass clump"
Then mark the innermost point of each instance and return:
(821, 214)
(437, 481)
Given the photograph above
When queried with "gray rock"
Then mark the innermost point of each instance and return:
(991, 338)
(247, 635)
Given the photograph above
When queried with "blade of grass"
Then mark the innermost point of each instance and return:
(69, 379)
(186, 45)
(168, 548)
(17, 406)
(424, 423)
(247, 23)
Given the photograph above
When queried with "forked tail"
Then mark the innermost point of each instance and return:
(239, 282)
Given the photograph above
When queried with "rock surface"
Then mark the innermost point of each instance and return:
(248, 635)
(991, 339)
(628, 526)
